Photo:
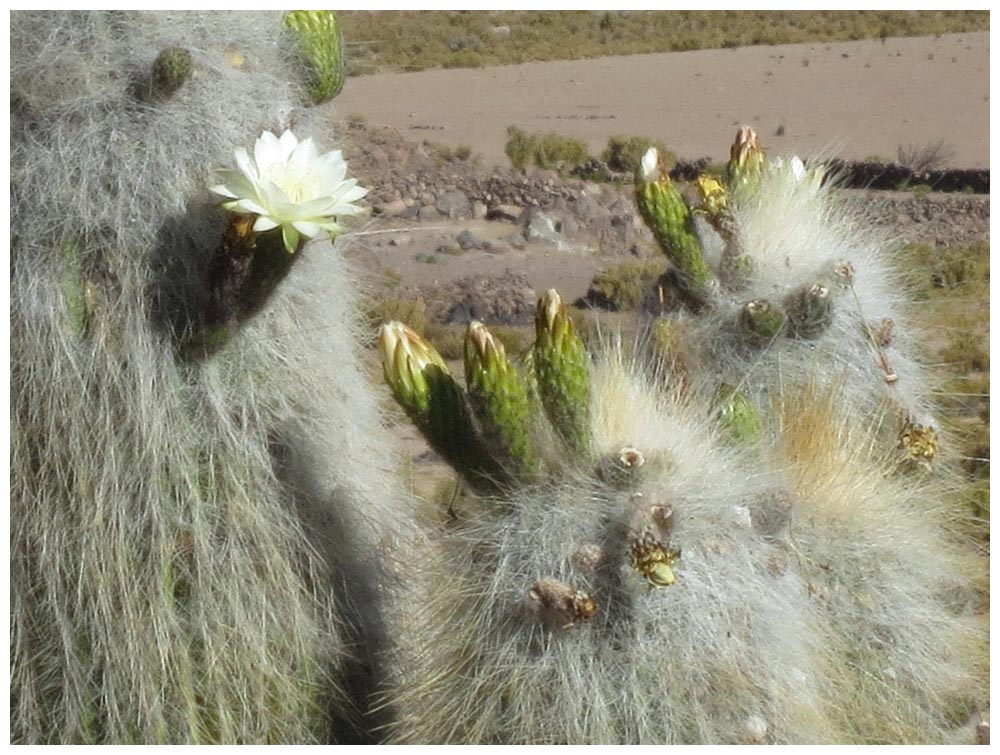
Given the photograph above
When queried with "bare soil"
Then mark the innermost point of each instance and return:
(855, 99)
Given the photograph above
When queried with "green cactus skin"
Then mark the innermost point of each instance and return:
(735, 269)
(561, 366)
(810, 311)
(761, 321)
(422, 384)
(669, 218)
(74, 286)
(321, 47)
(736, 415)
(499, 400)
(171, 69)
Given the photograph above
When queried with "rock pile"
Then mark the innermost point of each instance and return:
(425, 181)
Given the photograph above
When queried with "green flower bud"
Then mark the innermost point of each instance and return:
(499, 400)
(746, 162)
(422, 384)
(810, 311)
(665, 212)
(562, 372)
(760, 321)
(321, 48)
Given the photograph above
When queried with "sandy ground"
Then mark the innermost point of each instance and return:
(853, 99)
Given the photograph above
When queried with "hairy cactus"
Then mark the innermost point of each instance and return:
(179, 543)
(678, 590)
(800, 278)
(739, 556)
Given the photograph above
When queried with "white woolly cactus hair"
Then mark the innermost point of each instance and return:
(163, 587)
(704, 660)
(804, 604)
(798, 233)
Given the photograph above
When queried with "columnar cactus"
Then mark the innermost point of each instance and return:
(712, 575)
(179, 515)
(800, 282)
(739, 556)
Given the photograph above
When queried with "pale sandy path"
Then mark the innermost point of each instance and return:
(859, 99)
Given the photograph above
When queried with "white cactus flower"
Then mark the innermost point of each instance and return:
(288, 183)
(650, 166)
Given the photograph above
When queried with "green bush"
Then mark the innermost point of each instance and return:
(623, 153)
(543, 150)
(624, 286)
(520, 146)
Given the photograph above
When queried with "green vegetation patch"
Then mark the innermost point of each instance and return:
(415, 40)
(543, 150)
(623, 153)
(624, 286)
(951, 290)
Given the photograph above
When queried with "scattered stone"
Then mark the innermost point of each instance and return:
(538, 226)
(497, 247)
(515, 240)
(428, 212)
(467, 240)
(454, 204)
(394, 208)
(505, 212)
(507, 299)
(479, 210)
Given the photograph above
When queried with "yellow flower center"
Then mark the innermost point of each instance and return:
(296, 185)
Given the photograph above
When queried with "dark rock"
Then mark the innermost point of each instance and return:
(506, 212)
(467, 240)
(500, 300)
(454, 204)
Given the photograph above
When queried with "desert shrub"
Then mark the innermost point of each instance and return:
(966, 352)
(921, 158)
(449, 340)
(412, 312)
(625, 285)
(543, 150)
(515, 339)
(623, 153)
(520, 146)
(555, 150)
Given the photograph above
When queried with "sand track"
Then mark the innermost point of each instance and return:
(853, 99)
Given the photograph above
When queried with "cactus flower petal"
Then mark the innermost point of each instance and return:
(288, 183)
